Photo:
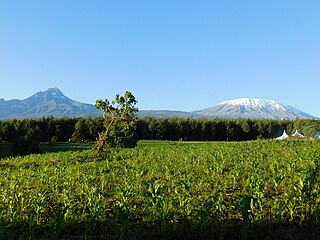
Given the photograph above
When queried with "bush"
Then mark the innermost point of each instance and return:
(24, 146)
(77, 137)
(54, 139)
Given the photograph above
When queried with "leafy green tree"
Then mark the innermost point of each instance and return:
(309, 127)
(119, 122)
(143, 130)
(7, 132)
(80, 132)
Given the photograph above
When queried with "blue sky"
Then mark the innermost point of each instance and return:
(171, 54)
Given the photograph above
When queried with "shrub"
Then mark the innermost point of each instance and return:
(24, 146)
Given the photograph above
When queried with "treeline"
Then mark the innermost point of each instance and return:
(221, 129)
(86, 129)
(48, 128)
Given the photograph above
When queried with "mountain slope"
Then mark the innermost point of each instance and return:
(167, 114)
(253, 108)
(53, 103)
(49, 103)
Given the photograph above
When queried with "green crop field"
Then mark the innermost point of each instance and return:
(165, 190)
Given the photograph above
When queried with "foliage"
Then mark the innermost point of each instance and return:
(39, 130)
(119, 122)
(23, 146)
(80, 131)
(165, 190)
(54, 139)
(42, 130)
(210, 129)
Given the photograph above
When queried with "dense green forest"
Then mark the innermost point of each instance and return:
(86, 129)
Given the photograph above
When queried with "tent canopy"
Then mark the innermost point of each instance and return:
(297, 134)
(283, 136)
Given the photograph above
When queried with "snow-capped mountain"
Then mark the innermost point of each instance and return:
(54, 103)
(253, 108)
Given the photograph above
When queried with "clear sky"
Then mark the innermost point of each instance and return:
(171, 54)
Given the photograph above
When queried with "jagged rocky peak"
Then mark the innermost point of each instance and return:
(51, 93)
(55, 92)
(54, 89)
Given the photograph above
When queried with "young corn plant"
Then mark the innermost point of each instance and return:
(203, 212)
(3, 228)
(32, 223)
(164, 208)
(40, 207)
(311, 181)
(182, 195)
(219, 198)
(122, 211)
(246, 213)
(121, 218)
(155, 194)
(94, 202)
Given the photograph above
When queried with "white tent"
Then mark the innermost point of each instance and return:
(283, 136)
(297, 134)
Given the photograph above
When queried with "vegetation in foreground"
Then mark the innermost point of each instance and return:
(221, 190)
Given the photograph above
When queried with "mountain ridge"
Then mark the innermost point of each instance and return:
(53, 102)
(48, 103)
(254, 108)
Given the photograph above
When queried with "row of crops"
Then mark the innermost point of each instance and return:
(165, 190)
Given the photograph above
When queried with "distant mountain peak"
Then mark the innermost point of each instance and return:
(255, 103)
(54, 89)
(55, 93)
(253, 108)
(51, 102)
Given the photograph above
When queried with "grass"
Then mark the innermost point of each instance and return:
(46, 148)
(164, 190)
(63, 147)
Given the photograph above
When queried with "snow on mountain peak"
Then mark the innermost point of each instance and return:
(255, 103)
(56, 93)
(253, 108)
